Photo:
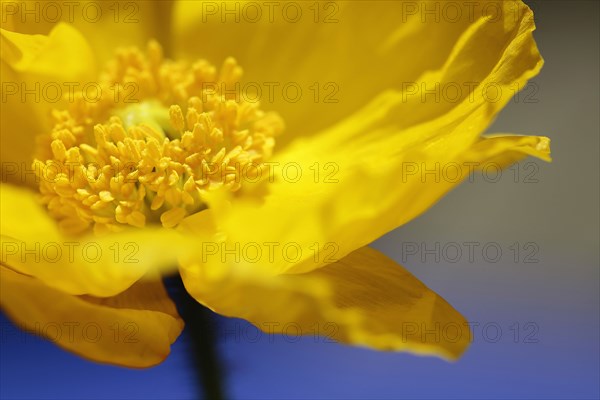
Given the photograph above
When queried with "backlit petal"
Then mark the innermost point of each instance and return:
(355, 50)
(367, 174)
(351, 50)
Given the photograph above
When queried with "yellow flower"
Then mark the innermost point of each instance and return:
(141, 164)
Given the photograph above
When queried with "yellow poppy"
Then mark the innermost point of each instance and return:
(121, 165)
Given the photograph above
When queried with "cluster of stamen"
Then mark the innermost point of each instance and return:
(168, 134)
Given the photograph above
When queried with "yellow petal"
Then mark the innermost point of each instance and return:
(489, 80)
(133, 329)
(62, 54)
(364, 203)
(368, 174)
(27, 17)
(510, 148)
(106, 25)
(364, 299)
(351, 50)
(36, 70)
(100, 266)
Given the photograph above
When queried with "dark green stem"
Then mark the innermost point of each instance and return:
(203, 342)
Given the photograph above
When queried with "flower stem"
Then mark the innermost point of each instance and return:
(203, 341)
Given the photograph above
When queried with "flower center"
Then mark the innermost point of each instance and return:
(161, 135)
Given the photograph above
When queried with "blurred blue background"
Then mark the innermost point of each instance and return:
(538, 332)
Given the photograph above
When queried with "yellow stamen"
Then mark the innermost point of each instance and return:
(160, 137)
